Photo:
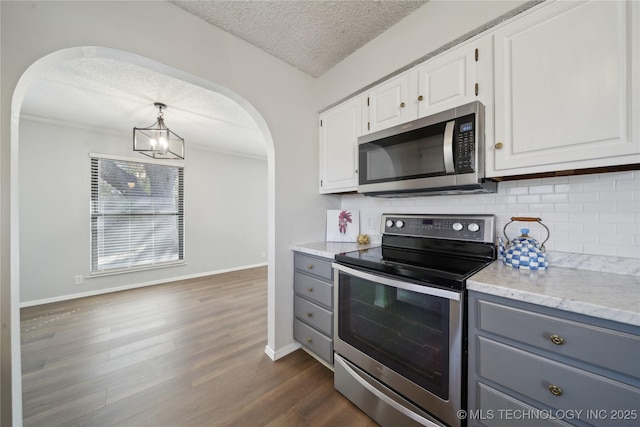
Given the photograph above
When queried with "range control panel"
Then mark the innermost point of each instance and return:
(475, 228)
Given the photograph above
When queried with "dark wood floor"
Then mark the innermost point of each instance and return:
(188, 353)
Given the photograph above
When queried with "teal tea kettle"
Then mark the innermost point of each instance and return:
(523, 251)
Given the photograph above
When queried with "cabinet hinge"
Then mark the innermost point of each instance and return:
(367, 101)
(320, 123)
(476, 54)
(368, 125)
(477, 89)
(321, 183)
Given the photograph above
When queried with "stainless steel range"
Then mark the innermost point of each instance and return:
(399, 325)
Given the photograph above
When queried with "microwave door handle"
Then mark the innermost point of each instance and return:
(447, 147)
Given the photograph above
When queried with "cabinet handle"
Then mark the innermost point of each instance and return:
(310, 289)
(499, 145)
(402, 105)
(309, 340)
(420, 98)
(556, 339)
(310, 314)
(309, 266)
(555, 390)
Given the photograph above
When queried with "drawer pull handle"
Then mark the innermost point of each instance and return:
(420, 98)
(555, 390)
(309, 340)
(309, 266)
(310, 314)
(310, 289)
(556, 339)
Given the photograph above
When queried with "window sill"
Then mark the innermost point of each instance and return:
(114, 272)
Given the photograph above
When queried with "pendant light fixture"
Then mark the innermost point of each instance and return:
(158, 141)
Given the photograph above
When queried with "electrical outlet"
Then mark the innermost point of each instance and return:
(79, 280)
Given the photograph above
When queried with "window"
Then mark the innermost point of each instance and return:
(137, 215)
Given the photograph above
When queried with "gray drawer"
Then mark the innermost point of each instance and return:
(532, 375)
(498, 410)
(592, 344)
(313, 315)
(313, 340)
(312, 265)
(314, 289)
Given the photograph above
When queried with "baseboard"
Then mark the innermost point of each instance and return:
(134, 286)
(275, 355)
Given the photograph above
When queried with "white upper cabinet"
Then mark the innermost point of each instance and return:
(339, 131)
(387, 104)
(567, 89)
(447, 81)
(442, 82)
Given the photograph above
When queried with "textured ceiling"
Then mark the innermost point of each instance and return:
(113, 95)
(311, 35)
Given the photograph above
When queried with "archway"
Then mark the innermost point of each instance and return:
(30, 75)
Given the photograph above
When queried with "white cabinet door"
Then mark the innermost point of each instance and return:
(388, 104)
(339, 131)
(566, 89)
(447, 81)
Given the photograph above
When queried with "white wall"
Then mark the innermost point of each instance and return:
(589, 214)
(225, 212)
(279, 97)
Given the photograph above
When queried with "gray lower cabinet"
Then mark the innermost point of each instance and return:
(536, 366)
(313, 304)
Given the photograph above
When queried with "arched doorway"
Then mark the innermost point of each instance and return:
(30, 75)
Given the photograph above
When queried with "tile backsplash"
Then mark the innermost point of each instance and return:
(596, 214)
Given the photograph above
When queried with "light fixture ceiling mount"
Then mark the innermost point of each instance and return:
(158, 141)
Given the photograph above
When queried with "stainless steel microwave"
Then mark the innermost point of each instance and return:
(438, 154)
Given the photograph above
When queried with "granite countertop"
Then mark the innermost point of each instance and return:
(330, 249)
(604, 295)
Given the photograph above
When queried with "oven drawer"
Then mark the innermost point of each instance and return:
(500, 410)
(313, 315)
(313, 340)
(312, 265)
(314, 289)
(581, 341)
(555, 384)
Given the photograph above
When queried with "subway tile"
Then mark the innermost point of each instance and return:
(533, 198)
(583, 197)
(571, 247)
(618, 218)
(600, 249)
(541, 189)
(555, 217)
(583, 237)
(584, 217)
(554, 180)
(628, 184)
(566, 188)
(516, 191)
(527, 182)
(599, 207)
(612, 196)
(627, 206)
(628, 251)
(554, 198)
(542, 207)
(616, 239)
(599, 186)
(569, 226)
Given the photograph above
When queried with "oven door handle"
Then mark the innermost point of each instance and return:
(421, 289)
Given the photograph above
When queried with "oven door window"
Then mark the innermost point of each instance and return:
(406, 331)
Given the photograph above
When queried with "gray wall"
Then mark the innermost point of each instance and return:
(225, 212)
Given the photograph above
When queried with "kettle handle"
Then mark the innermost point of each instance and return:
(527, 219)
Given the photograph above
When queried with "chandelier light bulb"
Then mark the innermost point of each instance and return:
(153, 143)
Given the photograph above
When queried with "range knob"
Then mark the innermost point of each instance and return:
(457, 226)
(473, 227)
(389, 223)
(399, 223)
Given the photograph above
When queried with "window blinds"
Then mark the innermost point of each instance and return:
(137, 214)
